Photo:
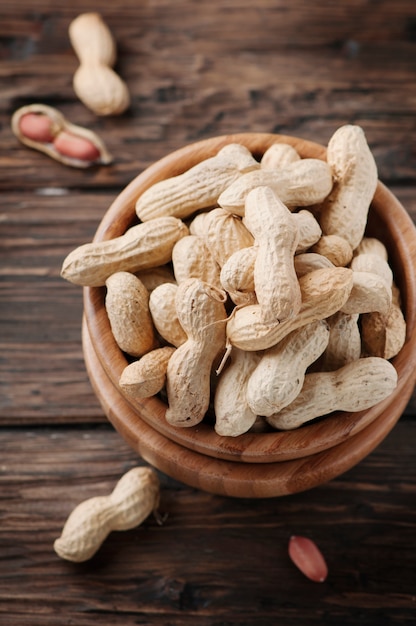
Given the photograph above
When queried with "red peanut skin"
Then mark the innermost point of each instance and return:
(76, 147)
(307, 557)
(36, 126)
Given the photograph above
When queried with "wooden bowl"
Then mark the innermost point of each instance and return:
(253, 464)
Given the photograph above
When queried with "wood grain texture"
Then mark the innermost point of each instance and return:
(201, 69)
(215, 560)
(40, 313)
(195, 69)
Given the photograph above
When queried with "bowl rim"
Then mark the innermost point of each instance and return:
(235, 478)
(274, 446)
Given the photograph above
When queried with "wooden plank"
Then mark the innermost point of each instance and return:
(194, 69)
(43, 377)
(215, 559)
(295, 70)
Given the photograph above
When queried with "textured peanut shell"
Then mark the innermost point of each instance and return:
(237, 273)
(309, 230)
(197, 188)
(199, 307)
(146, 377)
(278, 155)
(372, 245)
(309, 261)
(354, 387)
(101, 89)
(188, 385)
(383, 332)
(302, 183)
(134, 497)
(162, 305)
(278, 378)
(344, 345)
(225, 234)
(233, 416)
(373, 263)
(345, 210)
(142, 246)
(92, 39)
(276, 237)
(369, 293)
(202, 314)
(237, 276)
(156, 276)
(127, 306)
(384, 335)
(192, 258)
(335, 248)
(323, 291)
(197, 226)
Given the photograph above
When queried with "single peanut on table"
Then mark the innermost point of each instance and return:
(45, 129)
(134, 497)
(95, 82)
(308, 558)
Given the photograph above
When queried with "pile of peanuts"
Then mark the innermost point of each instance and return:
(249, 285)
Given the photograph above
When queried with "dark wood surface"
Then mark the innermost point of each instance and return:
(195, 70)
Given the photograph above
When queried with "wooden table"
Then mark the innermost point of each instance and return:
(194, 70)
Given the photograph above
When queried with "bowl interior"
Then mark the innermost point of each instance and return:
(388, 221)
